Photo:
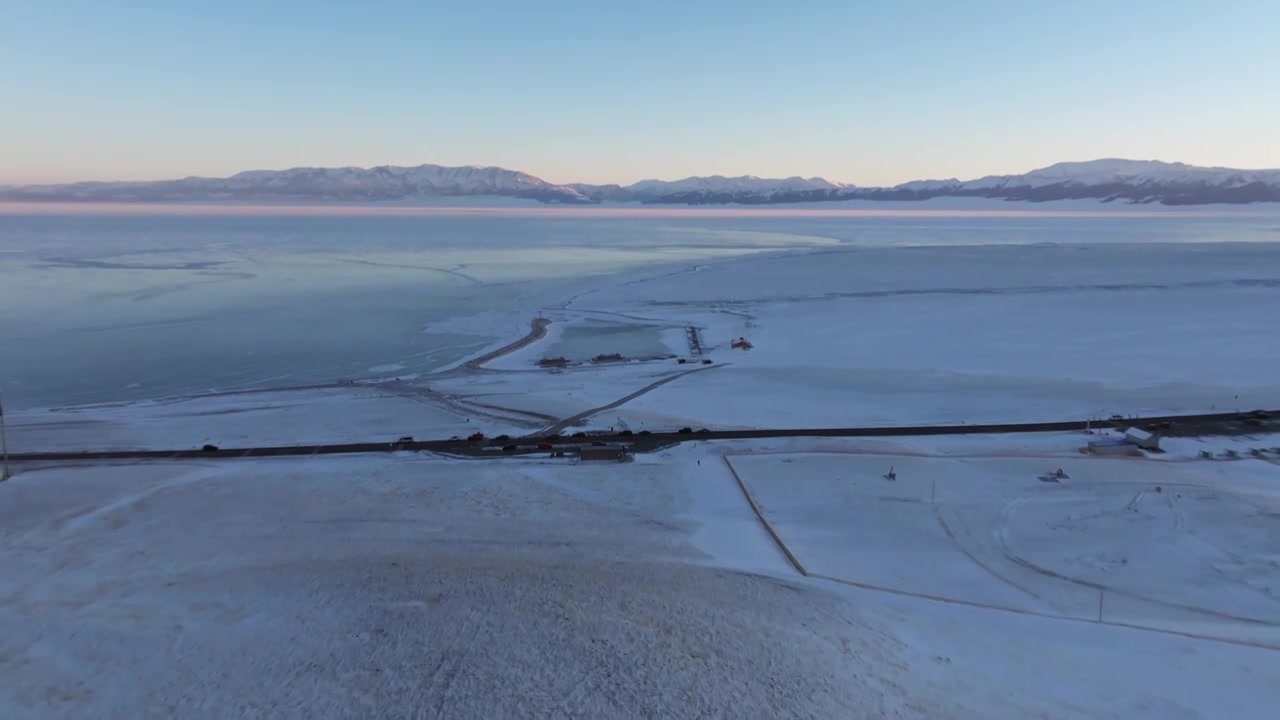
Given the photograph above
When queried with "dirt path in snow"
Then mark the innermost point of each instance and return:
(537, 331)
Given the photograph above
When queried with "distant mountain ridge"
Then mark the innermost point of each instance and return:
(1107, 180)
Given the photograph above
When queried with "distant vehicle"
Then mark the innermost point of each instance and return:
(685, 430)
(681, 361)
(625, 433)
(706, 361)
(475, 437)
(509, 448)
(209, 448)
(1117, 417)
(405, 439)
(455, 437)
(544, 446)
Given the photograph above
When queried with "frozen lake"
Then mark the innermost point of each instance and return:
(101, 308)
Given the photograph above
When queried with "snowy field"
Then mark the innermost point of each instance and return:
(867, 336)
(411, 585)
(323, 415)
(1184, 546)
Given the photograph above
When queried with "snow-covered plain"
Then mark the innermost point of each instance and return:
(335, 414)
(405, 585)
(413, 585)
(1166, 545)
(867, 336)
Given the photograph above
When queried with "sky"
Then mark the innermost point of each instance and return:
(874, 92)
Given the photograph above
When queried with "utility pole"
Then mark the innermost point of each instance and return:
(4, 448)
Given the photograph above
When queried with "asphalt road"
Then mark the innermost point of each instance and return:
(1200, 424)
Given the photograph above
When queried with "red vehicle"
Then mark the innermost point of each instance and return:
(475, 437)
(544, 446)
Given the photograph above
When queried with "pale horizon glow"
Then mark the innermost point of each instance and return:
(863, 92)
(569, 211)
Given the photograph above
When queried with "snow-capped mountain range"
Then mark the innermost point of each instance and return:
(1109, 180)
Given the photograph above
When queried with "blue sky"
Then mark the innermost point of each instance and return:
(865, 91)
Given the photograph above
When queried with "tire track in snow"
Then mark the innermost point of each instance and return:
(804, 571)
(560, 426)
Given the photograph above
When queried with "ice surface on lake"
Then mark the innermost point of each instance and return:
(97, 309)
(584, 341)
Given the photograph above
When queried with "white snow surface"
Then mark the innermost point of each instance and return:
(868, 336)
(336, 414)
(410, 585)
(401, 586)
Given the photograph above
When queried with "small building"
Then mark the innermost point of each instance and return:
(615, 453)
(1119, 448)
(1142, 438)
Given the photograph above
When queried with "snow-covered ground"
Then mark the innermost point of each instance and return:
(869, 336)
(413, 585)
(1186, 546)
(842, 336)
(337, 414)
(406, 585)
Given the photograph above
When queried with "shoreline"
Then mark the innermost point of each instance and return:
(537, 331)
